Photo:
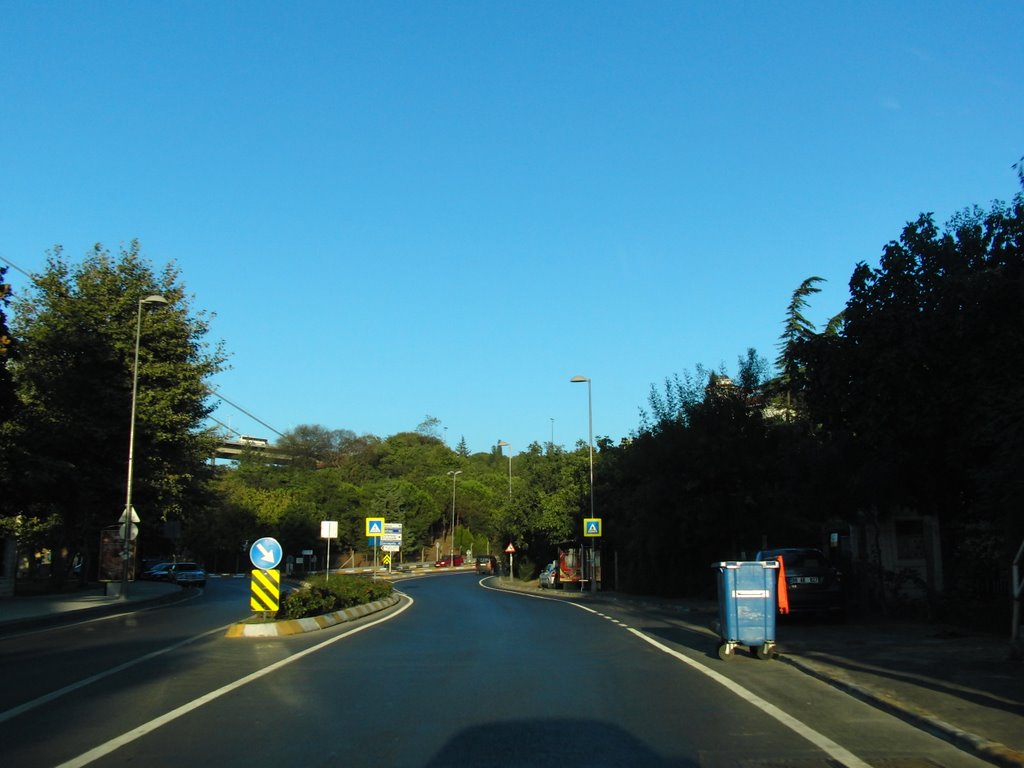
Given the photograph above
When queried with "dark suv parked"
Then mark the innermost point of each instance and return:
(486, 564)
(814, 586)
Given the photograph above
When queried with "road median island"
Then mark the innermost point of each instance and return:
(286, 627)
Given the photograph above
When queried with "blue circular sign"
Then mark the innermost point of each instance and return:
(265, 553)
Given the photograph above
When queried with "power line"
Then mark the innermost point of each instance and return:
(221, 423)
(29, 275)
(251, 416)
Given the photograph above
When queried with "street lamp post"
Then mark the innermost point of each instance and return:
(502, 443)
(126, 536)
(590, 435)
(453, 474)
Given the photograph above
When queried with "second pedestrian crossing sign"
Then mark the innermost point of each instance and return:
(591, 526)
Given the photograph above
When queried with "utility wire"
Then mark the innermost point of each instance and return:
(29, 275)
(221, 423)
(251, 416)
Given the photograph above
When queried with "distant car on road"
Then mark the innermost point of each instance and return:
(446, 561)
(157, 572)
(813, 585)
(188, 575)
(547, 576)
(486, 564)
(184, 574)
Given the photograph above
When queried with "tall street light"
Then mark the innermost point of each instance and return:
(502, 443)
(590, 434)
(453, 474)
(126, 537)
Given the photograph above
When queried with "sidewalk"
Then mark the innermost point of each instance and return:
(961, 686)
(20, 613)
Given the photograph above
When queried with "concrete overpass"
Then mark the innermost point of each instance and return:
(233, 450)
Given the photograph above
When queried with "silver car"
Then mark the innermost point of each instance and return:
(186, 575)
(547, 576)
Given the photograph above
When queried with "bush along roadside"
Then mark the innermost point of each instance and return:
(319, 595)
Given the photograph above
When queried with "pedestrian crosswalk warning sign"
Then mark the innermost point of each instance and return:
(592, 526)
(374, 526)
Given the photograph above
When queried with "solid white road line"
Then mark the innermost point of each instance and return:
(38, 702)
(822, 742)
(126, 738)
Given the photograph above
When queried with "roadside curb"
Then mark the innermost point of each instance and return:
(289, 627)
(992, 751)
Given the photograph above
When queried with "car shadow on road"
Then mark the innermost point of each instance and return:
(565, 742)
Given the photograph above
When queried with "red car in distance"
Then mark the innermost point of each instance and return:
(446, 561)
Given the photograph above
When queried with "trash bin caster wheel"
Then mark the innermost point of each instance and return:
(725, 651)
(766, 651)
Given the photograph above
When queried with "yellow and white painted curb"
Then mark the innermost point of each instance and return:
(312, 624)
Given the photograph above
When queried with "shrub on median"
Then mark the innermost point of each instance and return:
(318, 595)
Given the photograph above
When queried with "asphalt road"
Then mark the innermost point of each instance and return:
(457, 674)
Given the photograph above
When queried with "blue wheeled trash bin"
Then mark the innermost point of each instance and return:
(746, 606)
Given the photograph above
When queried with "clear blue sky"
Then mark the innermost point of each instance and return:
(398, 209)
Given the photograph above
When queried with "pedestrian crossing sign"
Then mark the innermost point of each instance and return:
(592, 526)
(374, 526)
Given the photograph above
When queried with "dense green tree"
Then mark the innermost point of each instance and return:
(401, 501)
(311, 445)
(413, 456)
(919, 395)
(12, 454)
(76, 327)
(796, 329)
(7, 398)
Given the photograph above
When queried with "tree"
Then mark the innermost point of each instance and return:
(920, 391)
(752, 372)
(6, 385)
(796, 329)
(430, 427)
(9, 446)
(77, 328)
(312, 445)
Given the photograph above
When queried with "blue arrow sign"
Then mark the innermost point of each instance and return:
(265, 553)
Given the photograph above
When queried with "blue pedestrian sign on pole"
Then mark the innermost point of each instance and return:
(265, 553)
(592, 526)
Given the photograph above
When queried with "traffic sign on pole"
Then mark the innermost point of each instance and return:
(134, 516)
(592, 526)
(265, 553)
